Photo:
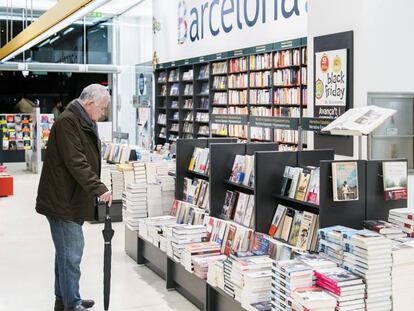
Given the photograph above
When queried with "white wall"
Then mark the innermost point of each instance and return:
(383, 44)
(135, 46)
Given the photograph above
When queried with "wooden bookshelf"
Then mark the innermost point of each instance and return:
(248, 83)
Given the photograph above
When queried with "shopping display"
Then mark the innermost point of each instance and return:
(256, 263)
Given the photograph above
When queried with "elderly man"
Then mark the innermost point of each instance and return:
(69, 187)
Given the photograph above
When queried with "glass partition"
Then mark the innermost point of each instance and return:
(395, 138)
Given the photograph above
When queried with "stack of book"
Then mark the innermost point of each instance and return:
(215, 274)
(404, 218)
(117, 182)
(106, 176)
(317, 262)
(198, 252)
(167, 192)
(402, 274)
(239, 207)
(250, 277)
(331, 242)
(347, 288)
(389, 230)
(134, 205)
(140, 174)
(297, 228)
(243, 170)
(313, 298)
(146, 225)
(186, 234)
(201, 264)
(154, 200)
(301, 183)
(288, 275)
(128, 173)
(368, 254)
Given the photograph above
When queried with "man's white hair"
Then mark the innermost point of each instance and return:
(95, 93)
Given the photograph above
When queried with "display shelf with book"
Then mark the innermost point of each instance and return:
(274, 77)
(185, 152)
(269, 171)
(227, 175)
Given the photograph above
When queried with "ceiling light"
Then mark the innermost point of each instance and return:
(68, 30)
(54, 39)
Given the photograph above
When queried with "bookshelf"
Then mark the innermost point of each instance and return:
(269, 167)
(246, 94)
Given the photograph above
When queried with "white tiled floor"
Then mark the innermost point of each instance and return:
(26, 261)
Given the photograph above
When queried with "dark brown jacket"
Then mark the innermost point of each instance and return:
(69, 184)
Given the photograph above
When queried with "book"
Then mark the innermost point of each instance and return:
(287, 223)
(381, 226)
(345, 181)
(312, 195)
(237, 170)
(314, 298)
(303, 183)
(359, 121)
(277, 220)
(395, 180)
(226, 209)
(305, 234)
(295, 228)
(286, 181)
(295, 179)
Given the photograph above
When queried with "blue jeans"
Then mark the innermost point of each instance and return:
(69, 243)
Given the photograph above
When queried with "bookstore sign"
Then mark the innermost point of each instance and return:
(330, 83)
(184, 29)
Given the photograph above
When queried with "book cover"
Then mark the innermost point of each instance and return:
(249, 211)
(381, 226)
(225, 211)
(305, 231)
(285, 180)
(395, 180)
(241, 207)
(345, 181)
(229, 240)
(295, 229)
(237, 169)
(287, 223)
(303, 183)
(312, 196)
(295, 179)
(277, 218)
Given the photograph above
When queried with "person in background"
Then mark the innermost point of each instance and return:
(69, 187)
(24, 106)
(57, 110)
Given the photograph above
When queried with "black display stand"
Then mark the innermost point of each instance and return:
(377, 206)
(131, 243)
(185, 149)
(269, 168)
(153, 257)
(221, 163)
(342, 145)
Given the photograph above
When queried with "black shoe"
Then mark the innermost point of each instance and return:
(87, 303)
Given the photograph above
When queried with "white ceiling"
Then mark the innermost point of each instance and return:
(113, 7)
